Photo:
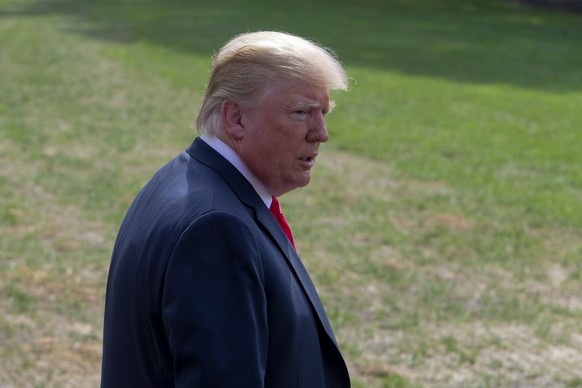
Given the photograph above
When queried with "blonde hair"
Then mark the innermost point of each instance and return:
(248, 65)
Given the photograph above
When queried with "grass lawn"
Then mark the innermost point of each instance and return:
(443, 224)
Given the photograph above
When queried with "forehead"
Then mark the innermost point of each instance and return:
(299, 95)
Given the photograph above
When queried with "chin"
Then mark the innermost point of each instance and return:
(292, 184)
(304, 181)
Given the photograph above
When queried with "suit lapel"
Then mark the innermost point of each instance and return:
(244, 190)
(271, 225)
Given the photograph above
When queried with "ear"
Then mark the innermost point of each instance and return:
(231, 114)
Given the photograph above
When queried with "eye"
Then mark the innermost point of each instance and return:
(300, 114)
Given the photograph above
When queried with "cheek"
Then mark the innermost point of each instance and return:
(280, 144)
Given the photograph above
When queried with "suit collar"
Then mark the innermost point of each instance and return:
(206, 155)
(229, 154)
(248, 196)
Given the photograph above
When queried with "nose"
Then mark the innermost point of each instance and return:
(318, 130)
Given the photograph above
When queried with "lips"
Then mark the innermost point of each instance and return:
(308, 160)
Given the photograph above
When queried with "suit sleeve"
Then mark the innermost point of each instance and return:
(214, 305)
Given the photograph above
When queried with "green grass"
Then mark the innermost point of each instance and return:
(443, 223)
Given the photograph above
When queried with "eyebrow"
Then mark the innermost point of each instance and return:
(311, 105)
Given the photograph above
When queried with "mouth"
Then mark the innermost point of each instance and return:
(308, 160)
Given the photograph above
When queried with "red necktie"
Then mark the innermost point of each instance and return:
(278, 214)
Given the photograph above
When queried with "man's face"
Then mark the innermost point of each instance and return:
(282, 136)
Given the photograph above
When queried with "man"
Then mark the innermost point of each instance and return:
(205, 287)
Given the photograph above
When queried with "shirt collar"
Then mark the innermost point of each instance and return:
(228, 153)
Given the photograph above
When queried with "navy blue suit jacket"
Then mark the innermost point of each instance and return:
(205, 290)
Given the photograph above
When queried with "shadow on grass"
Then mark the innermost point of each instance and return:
(475, 42)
